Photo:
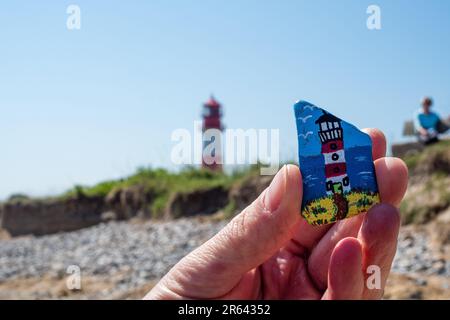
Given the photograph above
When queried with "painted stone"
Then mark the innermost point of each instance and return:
(336, 163)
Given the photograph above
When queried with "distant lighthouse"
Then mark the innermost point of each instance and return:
(331, 137)
(212, 114)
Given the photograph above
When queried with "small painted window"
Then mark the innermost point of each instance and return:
(329, 185)
(336, 132)
(346, 181)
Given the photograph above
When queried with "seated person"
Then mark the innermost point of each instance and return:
(427, 123)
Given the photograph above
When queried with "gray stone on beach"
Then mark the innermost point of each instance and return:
(142, 251)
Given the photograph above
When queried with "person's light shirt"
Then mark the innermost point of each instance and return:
(426, 121)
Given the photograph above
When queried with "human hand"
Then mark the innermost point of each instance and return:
(423, 132)
(269, 251)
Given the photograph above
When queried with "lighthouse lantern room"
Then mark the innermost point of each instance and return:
(331, 137)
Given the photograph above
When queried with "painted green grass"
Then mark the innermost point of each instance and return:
(324, 210)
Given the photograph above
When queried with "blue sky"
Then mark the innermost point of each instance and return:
(88, 105)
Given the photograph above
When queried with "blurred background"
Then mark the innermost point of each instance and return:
(90, 94)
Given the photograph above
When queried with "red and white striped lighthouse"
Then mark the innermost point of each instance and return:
(212, 114)
(331, 137)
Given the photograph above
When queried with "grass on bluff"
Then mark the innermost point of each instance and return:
(425, 203)
(162, 184)
(431, 195)
(158, 180)
(430, 153)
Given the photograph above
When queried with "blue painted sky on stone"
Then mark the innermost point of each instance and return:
(309, 142)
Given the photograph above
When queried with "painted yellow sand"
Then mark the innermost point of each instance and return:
(323, 210)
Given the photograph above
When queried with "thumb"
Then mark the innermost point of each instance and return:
(244, 243)
(265, 226)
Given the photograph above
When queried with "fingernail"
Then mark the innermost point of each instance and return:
(274, 194)
(389, 162)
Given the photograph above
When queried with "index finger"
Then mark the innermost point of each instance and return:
(378, 142)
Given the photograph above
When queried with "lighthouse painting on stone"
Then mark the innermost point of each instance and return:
(336, 163)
